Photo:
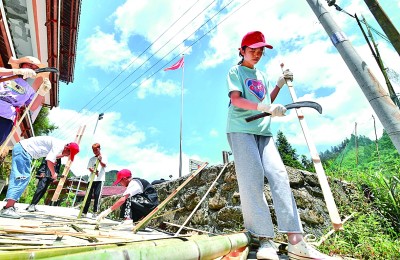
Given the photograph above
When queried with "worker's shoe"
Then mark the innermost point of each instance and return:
(94, 215)
(267, 250)
(31, 208)
(302, 250)
(9, 213)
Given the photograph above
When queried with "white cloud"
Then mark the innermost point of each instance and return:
(123, 143)
(214, 133)
(158, 87)
(134, 18)
(93, 84)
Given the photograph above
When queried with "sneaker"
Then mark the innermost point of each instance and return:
(94, 215)
(267, 250)
(302, 250)
(9, 213)
(31, 208)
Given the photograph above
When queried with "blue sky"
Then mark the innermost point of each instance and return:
(124, 46)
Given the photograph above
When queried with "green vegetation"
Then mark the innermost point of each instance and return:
(374, 167)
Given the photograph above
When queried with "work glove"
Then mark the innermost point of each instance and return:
(273, 109)
(45, 87)
(103, 214)
(286, 76)
(54, 176)
(26, 73)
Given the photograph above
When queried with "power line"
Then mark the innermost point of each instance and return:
(168, 54)
(130, 64)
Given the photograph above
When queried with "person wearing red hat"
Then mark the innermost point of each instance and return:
(138, 200)
(17, 93)
(22, 155)
(256, 155)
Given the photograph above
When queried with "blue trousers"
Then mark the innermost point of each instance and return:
(20, 172)
(255, 157)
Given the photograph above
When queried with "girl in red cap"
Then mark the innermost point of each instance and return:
(256, 155)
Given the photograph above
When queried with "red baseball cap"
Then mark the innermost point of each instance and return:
(73, 150)
(125, 173)
(255, 40)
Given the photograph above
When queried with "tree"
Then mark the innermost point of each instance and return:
(42, 125)
(287, 152)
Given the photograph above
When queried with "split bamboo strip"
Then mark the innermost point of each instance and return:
(323, 181)
(146, 219)
(201, 201)
(90, 238)
(61, 181)
(58, 233)
(188, 228)
(89, 187)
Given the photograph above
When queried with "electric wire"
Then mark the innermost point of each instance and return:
(132, 62)
(169, 53)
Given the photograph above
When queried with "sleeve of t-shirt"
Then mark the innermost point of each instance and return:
(90, 163)
(233, 81)
(133, 188)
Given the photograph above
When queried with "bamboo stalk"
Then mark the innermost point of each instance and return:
(61, 181)
(201, 201)
(146, 219)
(89, 187)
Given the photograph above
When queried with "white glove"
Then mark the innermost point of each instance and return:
(286, 76)
(54, 176)
(273, 109)
(45, 87)
(26, 73)
(103, 214)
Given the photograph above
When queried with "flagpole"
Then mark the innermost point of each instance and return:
(181, 123)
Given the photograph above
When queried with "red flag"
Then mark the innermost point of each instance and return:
(177, 65)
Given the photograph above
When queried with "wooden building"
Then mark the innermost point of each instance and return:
(48, 30)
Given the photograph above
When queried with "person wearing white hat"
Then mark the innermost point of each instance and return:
(17, 93)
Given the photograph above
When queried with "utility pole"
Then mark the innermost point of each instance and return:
(387, 112)
(386, 24)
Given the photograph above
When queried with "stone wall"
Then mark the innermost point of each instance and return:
(220, 212)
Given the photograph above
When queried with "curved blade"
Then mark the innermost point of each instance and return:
(47, 69)
(301, 104)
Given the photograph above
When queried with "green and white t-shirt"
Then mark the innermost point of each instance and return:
(252, 85)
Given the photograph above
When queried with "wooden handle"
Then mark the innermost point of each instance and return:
(252, 118)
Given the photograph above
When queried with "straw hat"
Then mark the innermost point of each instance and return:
(27, 59)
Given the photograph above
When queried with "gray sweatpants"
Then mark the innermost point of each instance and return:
(256, 156)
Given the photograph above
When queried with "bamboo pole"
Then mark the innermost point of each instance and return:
(146, 219)
(89, 187)
(323, 181)
(15, 127)
(201, 201)
(195, 248)
(62, 180)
